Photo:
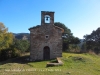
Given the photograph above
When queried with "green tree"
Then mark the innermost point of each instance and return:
(67, 36)
(3, 29)
(93, 41)
(66, 29)
(9, 46)
(6, 38)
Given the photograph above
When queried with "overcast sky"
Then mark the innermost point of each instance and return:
(81, 16)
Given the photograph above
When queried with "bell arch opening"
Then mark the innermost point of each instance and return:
(47, 19)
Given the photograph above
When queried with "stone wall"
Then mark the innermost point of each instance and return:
(38, 41)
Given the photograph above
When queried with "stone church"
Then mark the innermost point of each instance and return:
(45, 39)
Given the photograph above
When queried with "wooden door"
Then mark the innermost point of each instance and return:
(46, 53)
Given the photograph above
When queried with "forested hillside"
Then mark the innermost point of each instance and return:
(23, 36)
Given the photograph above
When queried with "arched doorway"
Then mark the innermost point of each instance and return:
(46, 53)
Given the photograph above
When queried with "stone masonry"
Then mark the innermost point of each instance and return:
(45, 39)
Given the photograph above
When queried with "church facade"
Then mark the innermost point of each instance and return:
(45, 39)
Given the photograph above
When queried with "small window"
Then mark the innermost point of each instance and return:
(47, 36)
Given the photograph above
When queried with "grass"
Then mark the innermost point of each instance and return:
(74, 64)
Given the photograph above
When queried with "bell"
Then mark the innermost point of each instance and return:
(47, 18)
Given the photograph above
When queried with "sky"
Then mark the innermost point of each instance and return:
(80, 16)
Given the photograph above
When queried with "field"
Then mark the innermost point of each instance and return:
(74, 64)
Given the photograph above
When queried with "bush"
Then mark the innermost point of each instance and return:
(22, 45)
(16, 53)
(9, 53)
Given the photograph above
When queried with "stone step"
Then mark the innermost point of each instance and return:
(59, 63)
